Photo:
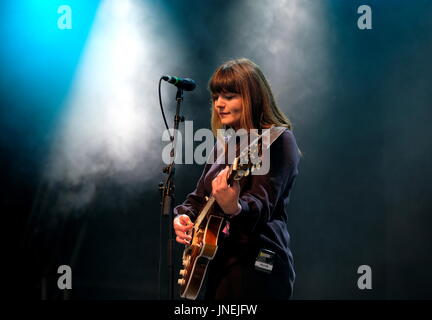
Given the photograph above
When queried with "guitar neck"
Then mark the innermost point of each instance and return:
(204, 212)
(211, 201)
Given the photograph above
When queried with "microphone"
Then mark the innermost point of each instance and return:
(181, 83)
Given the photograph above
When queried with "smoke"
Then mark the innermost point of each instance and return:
(289, 40)
(112, 126)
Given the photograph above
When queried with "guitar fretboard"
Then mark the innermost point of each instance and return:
(203, 214)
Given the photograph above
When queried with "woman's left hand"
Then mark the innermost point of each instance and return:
(226, 196)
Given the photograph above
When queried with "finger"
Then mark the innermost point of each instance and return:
(186, 222)
(188, 226)
(219, 182)
(221, 172)
(214, 185)
(183, 235)
(184, 217)
(183, 228)
(224, 178)
(183, 223)
(179, 240)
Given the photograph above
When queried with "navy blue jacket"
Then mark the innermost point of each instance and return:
(262, 222)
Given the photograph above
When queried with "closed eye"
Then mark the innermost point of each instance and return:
(224, 96)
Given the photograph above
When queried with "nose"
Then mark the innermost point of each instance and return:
(219, 103)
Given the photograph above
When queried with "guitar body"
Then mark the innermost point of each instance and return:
(197, 256)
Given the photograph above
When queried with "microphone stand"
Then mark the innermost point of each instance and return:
(167, 200)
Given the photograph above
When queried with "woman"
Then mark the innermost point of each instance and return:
(253, 259)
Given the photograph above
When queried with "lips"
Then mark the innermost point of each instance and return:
(224, 113)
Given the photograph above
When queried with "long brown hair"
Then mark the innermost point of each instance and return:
(244, 77)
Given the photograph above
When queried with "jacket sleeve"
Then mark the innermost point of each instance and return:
(264, 192)
(194, 200)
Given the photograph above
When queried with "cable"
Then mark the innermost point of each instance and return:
(160, 103)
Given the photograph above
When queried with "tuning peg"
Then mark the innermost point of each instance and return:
(181, 282)
(182, 272)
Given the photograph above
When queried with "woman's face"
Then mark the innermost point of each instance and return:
(229, 108)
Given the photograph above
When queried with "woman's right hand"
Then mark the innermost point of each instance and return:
(182, 227)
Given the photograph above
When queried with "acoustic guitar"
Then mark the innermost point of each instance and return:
(205, 233)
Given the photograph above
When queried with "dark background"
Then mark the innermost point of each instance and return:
(360, 102)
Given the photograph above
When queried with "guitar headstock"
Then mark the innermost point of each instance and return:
(247, 162)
